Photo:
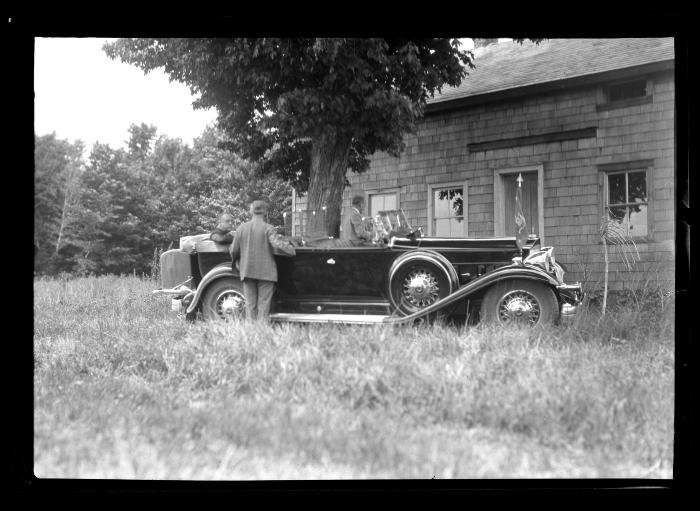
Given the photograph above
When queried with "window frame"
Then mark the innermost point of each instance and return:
(645, 166)
(605, 103)
(465, 209)
(499, 199)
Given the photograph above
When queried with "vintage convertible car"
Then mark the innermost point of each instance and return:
(400, 276)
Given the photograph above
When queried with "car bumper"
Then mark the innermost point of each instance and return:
(181, 296)
(176, 305)
(567, 312)
(572, 296)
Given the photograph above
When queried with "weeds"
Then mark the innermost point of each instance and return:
(612, 232)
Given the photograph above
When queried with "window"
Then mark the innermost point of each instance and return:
(626, 200)
(382, 202)
(447, 210)
(504, 189)
(627, 90)
(624, 94)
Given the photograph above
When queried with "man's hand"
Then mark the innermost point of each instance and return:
(280, 245)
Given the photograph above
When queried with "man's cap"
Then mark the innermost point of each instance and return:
(258, 207)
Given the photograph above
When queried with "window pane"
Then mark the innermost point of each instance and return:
(616, 189)
(376, 203)
(628, 90)
(638, 220)
(448, 202)
(457, 202)
(442, 227)
(620, 214)
(637, 187)
(449, 227)
(456, 227)
(382, 202)
(441, 203)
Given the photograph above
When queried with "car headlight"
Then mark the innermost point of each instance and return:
(559, 271)
(544, 258)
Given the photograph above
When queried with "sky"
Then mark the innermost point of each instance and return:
(80, 93)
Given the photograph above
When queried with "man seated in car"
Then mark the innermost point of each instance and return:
(222, 233)
(353, 227)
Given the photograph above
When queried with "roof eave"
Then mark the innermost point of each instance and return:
(525, 90)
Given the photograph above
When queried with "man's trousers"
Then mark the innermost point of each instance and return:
(258, 297)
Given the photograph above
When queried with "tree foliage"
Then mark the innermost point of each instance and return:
(309, 108)
(126, 205)
(57, 164)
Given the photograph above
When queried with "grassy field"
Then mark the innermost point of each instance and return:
(123, 389)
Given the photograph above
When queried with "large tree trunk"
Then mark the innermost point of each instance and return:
(329, 163)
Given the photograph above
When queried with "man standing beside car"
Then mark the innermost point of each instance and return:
(353, 228)
(253, 244)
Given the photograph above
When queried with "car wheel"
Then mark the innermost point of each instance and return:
(519, 302)
(223, 299)
(418, 286)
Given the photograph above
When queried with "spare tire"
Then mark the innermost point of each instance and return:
(418, 284)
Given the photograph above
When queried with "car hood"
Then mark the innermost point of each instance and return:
(505, 244)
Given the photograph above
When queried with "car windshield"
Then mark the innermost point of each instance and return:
(393, 222)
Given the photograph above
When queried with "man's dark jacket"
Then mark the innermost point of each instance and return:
(253, 244)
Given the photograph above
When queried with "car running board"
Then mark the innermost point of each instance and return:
(362, 319)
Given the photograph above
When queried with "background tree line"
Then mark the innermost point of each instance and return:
(116, 209)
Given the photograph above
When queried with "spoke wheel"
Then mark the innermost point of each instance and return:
(519, 302)
(418, 286)
(223, 300)
(520, 307)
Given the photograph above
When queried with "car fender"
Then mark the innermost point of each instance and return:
(503, 273)
(516, 271)
(220, 271)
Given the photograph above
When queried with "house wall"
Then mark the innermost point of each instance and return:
(442, 150)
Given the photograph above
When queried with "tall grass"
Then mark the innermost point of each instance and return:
(123, 389)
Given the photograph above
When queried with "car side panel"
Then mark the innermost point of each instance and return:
(335, 272)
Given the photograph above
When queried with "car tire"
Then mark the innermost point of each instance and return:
(519, 302)
(430, 284)
(216, 304)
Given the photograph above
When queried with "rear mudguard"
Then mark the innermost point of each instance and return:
(220, 271)
(502, 273)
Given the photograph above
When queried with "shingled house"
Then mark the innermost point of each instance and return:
(588, 123)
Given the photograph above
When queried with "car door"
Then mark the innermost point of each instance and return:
(305, 274)
(335, 273)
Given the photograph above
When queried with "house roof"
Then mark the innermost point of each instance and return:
(509, 65)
